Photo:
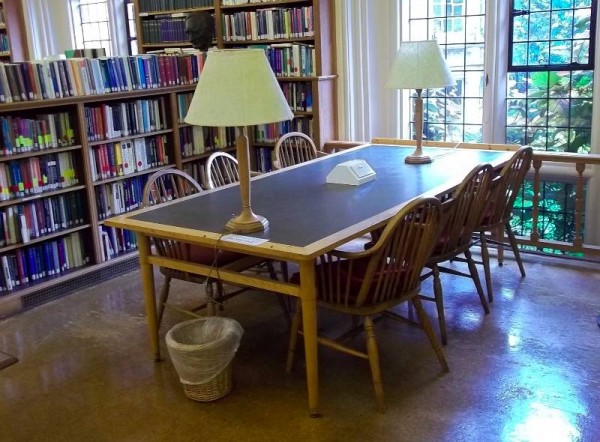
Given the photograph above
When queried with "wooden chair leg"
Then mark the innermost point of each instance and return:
(475, 278)
(373, 353)
(515, 248)
(439, 352)
(295, 327)
(485, 258)
(500, 245)
(439, 302)
(162, 298)
(284, 271)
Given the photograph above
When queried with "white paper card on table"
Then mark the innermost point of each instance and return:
(353, 173)
(241, 239)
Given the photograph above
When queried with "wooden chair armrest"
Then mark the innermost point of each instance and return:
(352, 255)
(321, 154)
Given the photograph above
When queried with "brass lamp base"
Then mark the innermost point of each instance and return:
(247, 222)
(418, 159)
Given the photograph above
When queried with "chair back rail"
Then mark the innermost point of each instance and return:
(221, 169)
(462, 212)
(163, 186)
(294, 148)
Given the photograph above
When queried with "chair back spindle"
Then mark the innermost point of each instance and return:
(221, 169)
(294, 148)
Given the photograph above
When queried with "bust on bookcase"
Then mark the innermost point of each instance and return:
(200, 29)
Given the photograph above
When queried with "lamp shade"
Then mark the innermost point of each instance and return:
(237, 87)
(419, 65)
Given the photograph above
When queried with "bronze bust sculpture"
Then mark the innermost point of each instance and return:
(200, 29)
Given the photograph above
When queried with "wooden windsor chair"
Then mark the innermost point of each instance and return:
(462, 212)
(369, 283)
(294, 148)
(164, 186)
(499, 211)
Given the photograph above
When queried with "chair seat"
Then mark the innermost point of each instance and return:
(335, 277)
(206, 255)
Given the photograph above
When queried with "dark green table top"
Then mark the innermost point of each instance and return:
(302, 208)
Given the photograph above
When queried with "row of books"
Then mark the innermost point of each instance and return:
(268, 24)
(183, 104)
(120, 196)
(263, 159)
(126, 118)
(51, 79)
(4, 43)
(21, 223)
(85, 52)
(115, 241)
(127, 157)
(31, 176)
(164, 29)
(291, 59)
(46, 131)
(298, 95)
(34, 263)
(270, 133)
(170, 5)
(243, 2)
(196, 140)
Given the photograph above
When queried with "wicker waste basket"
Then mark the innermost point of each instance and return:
(202, 351)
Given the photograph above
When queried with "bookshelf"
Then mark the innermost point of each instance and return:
(13, 43)
(298, 37)
(70, 160)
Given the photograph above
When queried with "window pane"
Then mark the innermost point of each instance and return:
(539, 5)
(562, 4)
(418, 8)
(563, 18)
(558, 33)
(91, 24)
(555, 112)
(475, 26)
(459, 27)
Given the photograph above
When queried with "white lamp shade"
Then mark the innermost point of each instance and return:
(419, 65)
(237, 87)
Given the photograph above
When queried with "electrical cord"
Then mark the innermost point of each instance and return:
(215, 267)
(451, 150)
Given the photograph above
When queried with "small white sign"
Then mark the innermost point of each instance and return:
(241, 239)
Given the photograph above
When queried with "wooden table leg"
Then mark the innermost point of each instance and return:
(309, 327)
(147, 272)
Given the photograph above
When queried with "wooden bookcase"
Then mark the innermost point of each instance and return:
(13, 42)
(71, 213)
(318, 120)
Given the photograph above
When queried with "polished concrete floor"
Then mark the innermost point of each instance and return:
(528, 371)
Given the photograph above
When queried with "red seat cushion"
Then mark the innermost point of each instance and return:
(207, 255)
(334, 275)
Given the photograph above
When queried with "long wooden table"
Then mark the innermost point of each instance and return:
(307, 217)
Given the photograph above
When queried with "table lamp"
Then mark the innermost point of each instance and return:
(419, 65)
(238, 88)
